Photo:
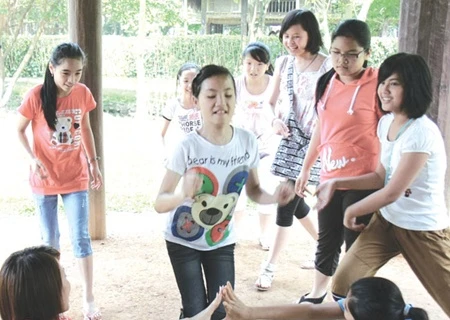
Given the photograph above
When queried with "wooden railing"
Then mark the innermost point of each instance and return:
(281, 6)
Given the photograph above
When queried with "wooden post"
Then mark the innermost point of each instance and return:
(85, 28)
(425, 30)
(204, 7)
(244, 13)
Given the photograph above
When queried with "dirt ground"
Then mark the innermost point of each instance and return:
(133, 276)
(134, 279)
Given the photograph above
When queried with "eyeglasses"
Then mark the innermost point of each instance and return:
(349, 57)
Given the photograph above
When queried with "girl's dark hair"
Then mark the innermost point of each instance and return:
(415, 78)
(49, 90)
(357, 30)
(260, 52)
(309, 23)
(31, 285)
(209, 71)
(378, 298)
(184, 67)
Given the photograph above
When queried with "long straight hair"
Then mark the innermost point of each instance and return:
(68, 50)
(31, 285)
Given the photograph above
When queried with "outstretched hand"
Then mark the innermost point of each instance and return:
(284, 193)
(279, 127)
(324, 193)
(350, 222)
(191, 184)
(39, 168)
(234, 307)
(207, 313)
(97, 178)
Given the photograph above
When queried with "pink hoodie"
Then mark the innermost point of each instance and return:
(349, 115)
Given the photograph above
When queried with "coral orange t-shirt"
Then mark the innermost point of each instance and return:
(61, 151)
(349, 115)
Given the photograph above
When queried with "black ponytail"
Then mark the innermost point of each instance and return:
(322, 84)
(49, 90)
(48, 98)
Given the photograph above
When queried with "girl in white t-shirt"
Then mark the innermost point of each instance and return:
(215, 162)
(412, 219)
(182, 108)
(254, 114)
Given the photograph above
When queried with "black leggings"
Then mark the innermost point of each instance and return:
(297, 207)
(333, 233)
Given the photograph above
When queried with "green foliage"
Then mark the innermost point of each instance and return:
(163, 57)
(122, 17)
(38, 62)
(383, 17)
(119, 102)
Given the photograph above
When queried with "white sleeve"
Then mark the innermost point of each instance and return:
(169, 110)
(420, 139)
(177, 160)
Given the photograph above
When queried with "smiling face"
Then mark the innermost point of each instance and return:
(391, 92)
(66, 75)
(254, 68)
(348, 57)
(185, 82)
(217, 100)
(295, 40)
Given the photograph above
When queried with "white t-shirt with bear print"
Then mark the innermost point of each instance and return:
(206, 223)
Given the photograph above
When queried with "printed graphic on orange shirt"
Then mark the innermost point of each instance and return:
(67, 135)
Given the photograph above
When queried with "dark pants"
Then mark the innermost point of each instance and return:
(190, 264)
(333, 233)
(296, 207)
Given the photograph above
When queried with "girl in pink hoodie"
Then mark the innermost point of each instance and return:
(345, 139)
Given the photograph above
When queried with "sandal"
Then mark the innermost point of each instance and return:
(266, 275)
(93, 315)
(312, 300)
(264, 244)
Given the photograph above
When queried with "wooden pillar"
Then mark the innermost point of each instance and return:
(204, 5)
(85, 28)
(244, 13)
(425, 30)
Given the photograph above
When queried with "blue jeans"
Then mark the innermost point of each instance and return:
(76, 205)
(187, 263)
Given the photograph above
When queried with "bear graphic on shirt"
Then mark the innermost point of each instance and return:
(209, 210)
(62, 134)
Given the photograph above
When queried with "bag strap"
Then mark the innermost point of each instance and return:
(290, 87)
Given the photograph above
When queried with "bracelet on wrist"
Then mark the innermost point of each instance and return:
(94, 159)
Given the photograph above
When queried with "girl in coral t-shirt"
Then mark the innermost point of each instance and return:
(62, 150)
(346, 140)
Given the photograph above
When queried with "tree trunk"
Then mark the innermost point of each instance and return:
(85, 28)
(425, 30)
(362, 15)
(9, 89)
(141, 97)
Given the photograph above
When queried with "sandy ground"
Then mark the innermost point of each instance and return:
(133, 276)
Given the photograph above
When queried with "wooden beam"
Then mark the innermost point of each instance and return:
(85, 28)
(425, 30)
(244, 13)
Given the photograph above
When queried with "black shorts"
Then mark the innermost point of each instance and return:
(297, 207)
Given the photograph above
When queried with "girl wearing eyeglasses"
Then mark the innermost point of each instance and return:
(345, 139)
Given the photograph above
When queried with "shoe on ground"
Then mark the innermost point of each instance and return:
(264, 281)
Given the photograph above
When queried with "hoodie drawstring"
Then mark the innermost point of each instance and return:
(350, 110)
